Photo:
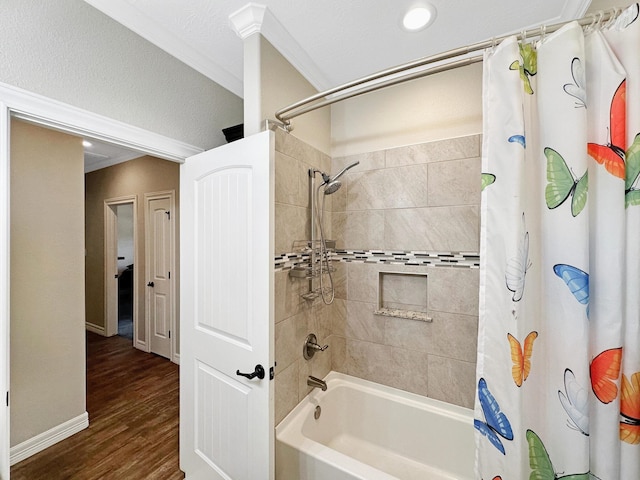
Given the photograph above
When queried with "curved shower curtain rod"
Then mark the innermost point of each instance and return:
(329, 96)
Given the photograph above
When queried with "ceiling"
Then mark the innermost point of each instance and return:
(330, 41)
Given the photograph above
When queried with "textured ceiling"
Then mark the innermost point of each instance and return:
(328, 41)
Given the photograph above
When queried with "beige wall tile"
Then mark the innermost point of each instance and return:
(397, 289)
(455, 182)
(289, 338)
(408, 334)
(452, 380)
(455, 148)
(287, 291)
(339, 317)
(340, 279)
(368, 161)
(400, 187)
(365, 190)
(295, 148)
(449, 229)
(454, 336)
(362, 324)
(286, 391)
(290, 186)
(362, 282)
(364, 229)
(454, 290)
(292, 223)
(395, 367)
(338, 347)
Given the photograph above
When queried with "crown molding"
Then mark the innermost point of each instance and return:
(255, 18)
(248, 20)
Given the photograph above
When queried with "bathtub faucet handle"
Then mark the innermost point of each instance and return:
(311, 347)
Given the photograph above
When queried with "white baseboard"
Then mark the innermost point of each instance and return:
(44, 440)
(141, 346)
(176, 358)
(92, 327)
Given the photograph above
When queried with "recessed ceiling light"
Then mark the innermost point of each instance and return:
(87, 143)
(418, 18)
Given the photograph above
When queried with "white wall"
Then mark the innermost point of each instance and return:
(69, 51)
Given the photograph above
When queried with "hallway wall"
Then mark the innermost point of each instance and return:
(47, 280)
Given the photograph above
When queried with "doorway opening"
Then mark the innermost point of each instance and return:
(120, 274)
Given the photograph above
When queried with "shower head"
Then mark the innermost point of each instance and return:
(332, 187)
(332, 184)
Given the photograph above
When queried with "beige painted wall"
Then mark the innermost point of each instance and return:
(47, 280)
(442, 106)
(272, 83)
(136, 177)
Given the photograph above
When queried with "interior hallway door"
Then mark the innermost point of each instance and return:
(226, 253)
(160, 220)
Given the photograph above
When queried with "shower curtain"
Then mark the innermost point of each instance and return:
(558, 383)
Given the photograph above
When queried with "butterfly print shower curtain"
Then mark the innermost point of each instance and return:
(558, 378)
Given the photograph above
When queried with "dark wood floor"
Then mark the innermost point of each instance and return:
(133, 401)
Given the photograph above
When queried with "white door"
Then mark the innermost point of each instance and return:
(226, 204)
(159, 260)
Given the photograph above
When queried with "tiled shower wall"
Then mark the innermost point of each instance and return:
(417, 198)
(295, 317)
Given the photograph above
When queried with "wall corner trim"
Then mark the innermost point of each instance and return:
(46, 439)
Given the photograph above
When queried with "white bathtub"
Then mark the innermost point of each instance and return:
(369, 431)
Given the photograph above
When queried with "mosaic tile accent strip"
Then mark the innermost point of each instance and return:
(437, 259)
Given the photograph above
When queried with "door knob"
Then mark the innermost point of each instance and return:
(151, 284)
(258, 372)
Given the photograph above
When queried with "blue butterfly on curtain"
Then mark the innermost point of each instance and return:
(497, 424)
(576, 280)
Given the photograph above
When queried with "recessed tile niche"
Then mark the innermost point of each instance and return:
(403, 295)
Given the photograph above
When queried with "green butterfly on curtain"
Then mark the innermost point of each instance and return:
(541, 466)
(631, 193)
(528, 66)
(487, 179)
(562, 184)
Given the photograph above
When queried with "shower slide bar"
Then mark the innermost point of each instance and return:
(398, 75)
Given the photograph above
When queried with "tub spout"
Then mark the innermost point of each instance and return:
(317, 383)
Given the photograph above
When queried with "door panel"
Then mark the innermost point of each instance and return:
(226, 421)
(159, 258)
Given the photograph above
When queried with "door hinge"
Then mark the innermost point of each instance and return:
(169, 275)
(169, 333)
(168, 214)
(7, 398)
(272, 372)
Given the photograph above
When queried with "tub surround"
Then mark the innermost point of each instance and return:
(404, 210)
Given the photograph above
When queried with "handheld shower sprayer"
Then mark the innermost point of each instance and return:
(331, 185)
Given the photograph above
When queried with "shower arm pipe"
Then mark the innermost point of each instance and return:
(285, 114)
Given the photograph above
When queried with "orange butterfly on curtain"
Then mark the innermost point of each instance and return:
(630, 409)
(605, 370)
(521, 357)
(612, 155)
